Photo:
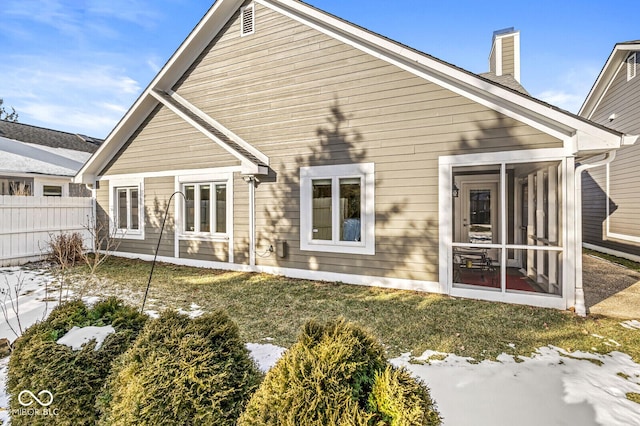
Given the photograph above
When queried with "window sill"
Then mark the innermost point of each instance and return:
(129, 235)
(354, 248)
(204, 237)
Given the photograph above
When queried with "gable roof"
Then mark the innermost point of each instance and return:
(582, 134)
(48, 137)
(607, 74)
(22, 158)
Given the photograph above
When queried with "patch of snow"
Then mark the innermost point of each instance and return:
(265, 354)
(90, 300)
(152, 314)
(76, 337)
(574, 388)
(34, 291)
(193, 312)
(631, 324)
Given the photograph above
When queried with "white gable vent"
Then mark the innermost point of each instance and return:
(247, 21)
(631, 66)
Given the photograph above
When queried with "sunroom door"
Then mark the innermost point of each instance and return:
(479, 212)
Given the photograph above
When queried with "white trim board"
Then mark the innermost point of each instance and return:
(612, 252)
(371, 281)
(173, 173)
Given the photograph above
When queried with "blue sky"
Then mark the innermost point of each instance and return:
(78, 65)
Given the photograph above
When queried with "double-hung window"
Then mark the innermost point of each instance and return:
(337, 208)
(205, 208)
(126, 208)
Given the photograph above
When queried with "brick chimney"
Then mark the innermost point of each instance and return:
(505, 53)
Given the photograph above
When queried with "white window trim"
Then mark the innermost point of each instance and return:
(211, 179)
(632, 66)
(130, 234)
(366, 171)
(39, 184)
(253, 20)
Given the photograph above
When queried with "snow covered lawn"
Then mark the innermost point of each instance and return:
(551, 387)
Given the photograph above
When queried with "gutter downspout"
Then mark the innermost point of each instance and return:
(579, 305)
(251, 180)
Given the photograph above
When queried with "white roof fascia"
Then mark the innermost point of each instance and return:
(237, 139)
(246, 163)
(179, 62)
(11, 173)
(602, 84)
(608, 73)
(561, 125)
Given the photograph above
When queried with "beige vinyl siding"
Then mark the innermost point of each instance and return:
(624, 188)
(156, 194)
(240, 220)
(493, 60)
(623, 99)
(166, 142)
(212, 251)
(304, 99)
(508, 55)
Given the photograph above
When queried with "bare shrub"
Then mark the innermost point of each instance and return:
(66, 249)
(103, 243)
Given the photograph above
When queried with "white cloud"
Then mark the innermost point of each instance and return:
(565, 100)
(569, 89)
(77, 97)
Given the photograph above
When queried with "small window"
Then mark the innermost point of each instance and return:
(205, 208)
(337, 208)
(631, 66)
(247, 20)
(52, 190)
(127, 209)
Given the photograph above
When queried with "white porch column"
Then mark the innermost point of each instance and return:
(530, 222)
(552, 226)
(540, 220)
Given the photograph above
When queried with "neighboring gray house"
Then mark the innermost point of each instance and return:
(310, 147)
(611, 203)
(42, 162)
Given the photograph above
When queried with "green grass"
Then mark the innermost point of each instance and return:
(275, 308)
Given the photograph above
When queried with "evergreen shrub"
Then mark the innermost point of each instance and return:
(181, 371)
(73, 377)
(336, 374)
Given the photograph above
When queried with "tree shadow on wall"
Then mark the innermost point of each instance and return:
(406, 238)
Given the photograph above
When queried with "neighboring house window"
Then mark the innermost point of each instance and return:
(205, 209)
(52, 190)
(337, 208)
(247, 20)
(126, 208)
(631, 66)
(19, 188)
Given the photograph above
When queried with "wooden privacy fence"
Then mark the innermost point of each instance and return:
(28, 223)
